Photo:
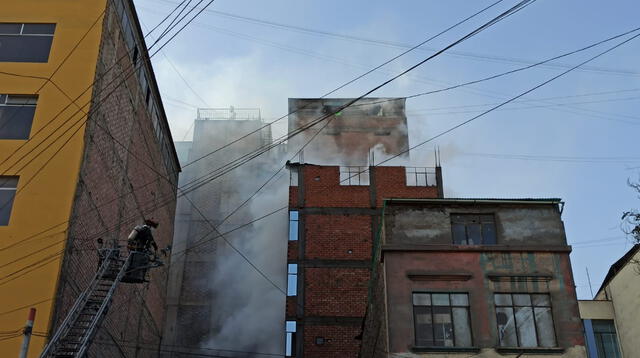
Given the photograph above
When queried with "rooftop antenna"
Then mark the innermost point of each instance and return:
(589, 280)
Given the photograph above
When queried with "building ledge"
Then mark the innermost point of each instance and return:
(476, 248)
(417, 349)
(520, 350)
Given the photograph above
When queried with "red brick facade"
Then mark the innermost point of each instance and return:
(128, 173)
(337, 225)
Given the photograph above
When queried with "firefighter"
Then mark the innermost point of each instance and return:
(141, 238)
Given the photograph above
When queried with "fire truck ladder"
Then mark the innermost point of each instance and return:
(74, 336)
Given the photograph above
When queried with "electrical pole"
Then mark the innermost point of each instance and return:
(28, 328)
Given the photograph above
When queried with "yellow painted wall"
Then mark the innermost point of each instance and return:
(624, 293)
(47, 200)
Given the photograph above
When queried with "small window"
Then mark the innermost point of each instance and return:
(293, 177)
(8, 185)
(354, 175)
(293, 225)
(606, 339)
(25, 42)
(524, 320)
(470, 229)
(442, 320)
(16, 115)
(292, 279)
(290, 344)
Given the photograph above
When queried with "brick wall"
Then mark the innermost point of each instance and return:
(116, 191)
(333, 253)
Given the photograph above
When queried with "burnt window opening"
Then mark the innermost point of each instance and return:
(524, 320)
(473, 229)
(442, 320)
(16, 115)
(21, 42)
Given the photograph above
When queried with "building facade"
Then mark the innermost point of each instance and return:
(86, 154)
(333, 221)
(472, 278)
(194, 313)
(610, 319)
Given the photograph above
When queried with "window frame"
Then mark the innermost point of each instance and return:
(450, 306)
(292, 279)
(294, 229)
(354, 176)
(467, 223)
(21, 33)
(28, 100)
(513, 307)
(290, 328)
(4, 179)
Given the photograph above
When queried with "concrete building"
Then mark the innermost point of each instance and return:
(333, 221)
(349, 135)
(472, 278)
(85, 153)
(611, 318)
(194, 312)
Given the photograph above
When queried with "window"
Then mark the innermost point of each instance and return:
(420, 176)
(25, 42)
(8, 185)
(524, 320)
(354, 175)
(469, 229)
(16, 115)
(290, 344)
(606, 339)
(442, 319)
(293, 226)
(292, 279)
(293, 177)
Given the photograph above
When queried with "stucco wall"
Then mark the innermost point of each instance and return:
(516, 224)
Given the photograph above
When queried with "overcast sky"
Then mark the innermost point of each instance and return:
(581, 147)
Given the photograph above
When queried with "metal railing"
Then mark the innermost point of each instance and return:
(231, 113)
(352, 175)
(421, 176)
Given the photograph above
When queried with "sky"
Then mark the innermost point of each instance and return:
(574, 138)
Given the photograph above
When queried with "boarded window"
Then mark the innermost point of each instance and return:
(8, 185)
(25, 42)
(442, 320)
(471, 229)
(524, 320)
(16, 115)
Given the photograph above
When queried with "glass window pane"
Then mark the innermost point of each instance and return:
(541, 300)
(8, 28)
(461, 327)
(603, 326)
(544, 323)
(421, 299)
(292, 285)
(41, 29)
(487, 219)
(293, 230)
(6, 203)
(421, 180)
(292, 268)
(22, 99)
(291, 326)
(7, 182)
(288, 345)
(18, 48)
(459, 234)
(424, 326)
(459, 299)
(506, 327)
(607, 345)
(488, 234)
(443, 327)
(411, 177)
(440, 299)
(293, 215)
(526, 327)
(502, 299)
(16, 121)
(474, 234)
(521, 300)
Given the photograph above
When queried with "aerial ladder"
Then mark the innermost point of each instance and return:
(74, 336)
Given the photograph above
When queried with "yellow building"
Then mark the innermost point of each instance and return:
(611, 319)
(81, 124)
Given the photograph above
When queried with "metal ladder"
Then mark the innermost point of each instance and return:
(73, 337)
